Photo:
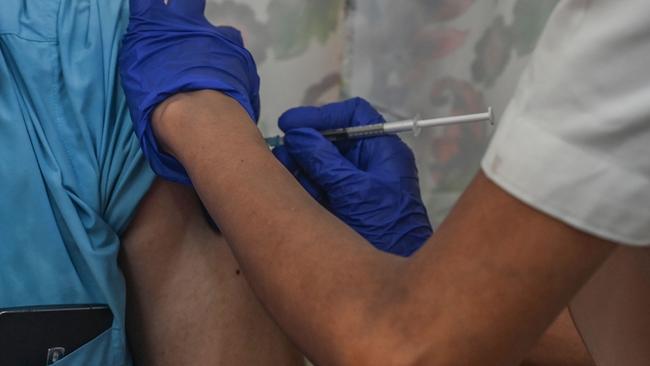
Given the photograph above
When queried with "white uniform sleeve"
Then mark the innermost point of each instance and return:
(575, 140)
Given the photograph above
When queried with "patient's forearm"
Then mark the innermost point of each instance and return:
(241, 183)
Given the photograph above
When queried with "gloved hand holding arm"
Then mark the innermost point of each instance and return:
(169, 49)
(370, 184)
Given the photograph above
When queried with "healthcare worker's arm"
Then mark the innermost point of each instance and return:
(480, 292)
(372, 185)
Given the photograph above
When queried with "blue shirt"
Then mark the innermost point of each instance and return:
(71, 172)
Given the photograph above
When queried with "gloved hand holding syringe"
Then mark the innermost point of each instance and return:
(415, 125)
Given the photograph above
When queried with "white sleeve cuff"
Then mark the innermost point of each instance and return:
(576, 186)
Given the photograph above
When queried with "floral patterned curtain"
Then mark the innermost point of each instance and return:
(298, 45)
(409, 57)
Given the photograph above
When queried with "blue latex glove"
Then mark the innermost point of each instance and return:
(173, 48)
(370, 184)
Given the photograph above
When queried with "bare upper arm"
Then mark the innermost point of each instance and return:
(188, 301)
(490, 281)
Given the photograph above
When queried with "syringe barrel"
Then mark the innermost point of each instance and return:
(356, 132)
(379, 129)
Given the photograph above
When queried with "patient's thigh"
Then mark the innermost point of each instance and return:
(188, 303)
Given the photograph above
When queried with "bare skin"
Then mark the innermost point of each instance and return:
(561, 345)
(482, 290)
(175, 317)
(188, 303)
(611, 311)
(458, 301)
(173, 313)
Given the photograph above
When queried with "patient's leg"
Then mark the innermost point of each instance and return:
(188, 303)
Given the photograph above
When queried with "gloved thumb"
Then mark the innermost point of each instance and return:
(320, 159)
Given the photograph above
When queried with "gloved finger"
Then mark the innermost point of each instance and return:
(366, 114)
(232, 34)
(189, 8)
(319, 158)
(351, 112)
(282, 154)
(137, 7)
(387, 156)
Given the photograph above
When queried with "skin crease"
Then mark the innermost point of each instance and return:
(561, 345)
(482, 290)
(611, 310)
(188, 303)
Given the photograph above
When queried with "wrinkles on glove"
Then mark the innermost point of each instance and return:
(170, 49)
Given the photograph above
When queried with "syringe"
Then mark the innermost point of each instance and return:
(379, 129)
